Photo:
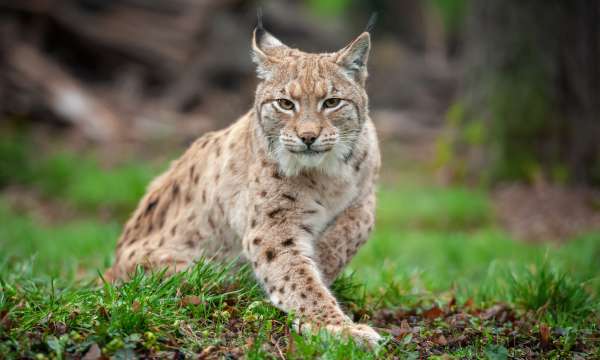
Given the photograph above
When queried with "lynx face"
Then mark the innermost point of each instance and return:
(311, 107)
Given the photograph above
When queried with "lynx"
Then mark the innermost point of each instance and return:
(289, 186)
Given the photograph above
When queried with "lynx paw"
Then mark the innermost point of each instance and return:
(361, 333)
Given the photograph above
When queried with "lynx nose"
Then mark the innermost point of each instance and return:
(308, 138)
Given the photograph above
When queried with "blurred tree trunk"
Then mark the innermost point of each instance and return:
(531, 104)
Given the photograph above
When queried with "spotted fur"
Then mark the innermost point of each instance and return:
(290, 189)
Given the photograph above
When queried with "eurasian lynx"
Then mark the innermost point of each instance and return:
(290, 186)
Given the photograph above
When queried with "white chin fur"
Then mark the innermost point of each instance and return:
(292, 164)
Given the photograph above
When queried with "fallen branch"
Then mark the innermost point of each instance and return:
(64, 95)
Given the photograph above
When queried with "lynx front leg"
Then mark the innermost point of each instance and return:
(282, 255)
(340, 242)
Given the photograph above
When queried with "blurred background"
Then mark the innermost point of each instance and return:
(487, 111)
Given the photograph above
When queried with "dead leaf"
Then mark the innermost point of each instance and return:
(57, 327)
(5, 321)
(495, 312)
(460, 340)
(73, 315)
(103, 312)
(544, 334)
(207, 351)
(452, 303)
(441, 340)
(190, 300)
(93, 353)
(433, 313)
(136, 306)
(468, 304)
(291, 348)
(399, 332)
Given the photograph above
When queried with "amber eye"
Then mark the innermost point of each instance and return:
(331, 103)
(285, 104)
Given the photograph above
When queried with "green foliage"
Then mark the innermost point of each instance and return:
(496, 352)
(552, 293)
(329, 7)
(510, 132)
(521, 112)
(449, 145)
(518, 119)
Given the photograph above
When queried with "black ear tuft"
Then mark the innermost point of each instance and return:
(259, 21)
(371, 23)
(260, 29)
(259, 15)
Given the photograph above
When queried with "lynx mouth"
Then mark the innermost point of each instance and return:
(309, 152)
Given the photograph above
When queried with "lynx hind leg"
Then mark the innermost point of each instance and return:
(167, 259)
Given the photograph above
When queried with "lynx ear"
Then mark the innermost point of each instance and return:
(353, 58)
(262, 45)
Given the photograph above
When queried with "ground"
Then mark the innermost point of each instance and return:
(440, 276)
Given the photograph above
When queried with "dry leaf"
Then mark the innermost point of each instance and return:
(433, 313)
(468, 304)
(441, 340)
(73, 315)
(102, 310)
(399, 332)
(207, 351)
(544, 334)
(136, 306)
(190, 300)
(93, 353)
(452, 302)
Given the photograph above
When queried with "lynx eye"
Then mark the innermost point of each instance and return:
(285, 104)
(331, 103)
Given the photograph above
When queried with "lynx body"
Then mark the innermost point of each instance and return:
(289, 186)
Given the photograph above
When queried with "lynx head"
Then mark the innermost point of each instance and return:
(310, 107)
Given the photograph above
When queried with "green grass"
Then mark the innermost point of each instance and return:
(59, 250)
(433, 247)
(83, 183)
(432, 207)
(75, 179)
